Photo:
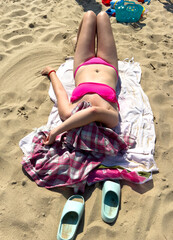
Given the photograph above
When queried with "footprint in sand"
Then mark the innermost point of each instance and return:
(18, 13)
(2, 56)
(167, 220)
(14, 33)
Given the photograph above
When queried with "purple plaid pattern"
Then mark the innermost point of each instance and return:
(73, 156)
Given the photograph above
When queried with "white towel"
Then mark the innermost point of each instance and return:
(136, 117)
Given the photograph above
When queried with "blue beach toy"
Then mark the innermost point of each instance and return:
(126, 11)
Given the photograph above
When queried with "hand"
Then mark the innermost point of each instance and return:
(46, 70)
(50, 139)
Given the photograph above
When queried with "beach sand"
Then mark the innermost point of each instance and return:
(36, 33)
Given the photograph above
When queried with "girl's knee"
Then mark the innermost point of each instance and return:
(102, 16)
(90, 15)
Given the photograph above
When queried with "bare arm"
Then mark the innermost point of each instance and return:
(64, 106)
(82, 118)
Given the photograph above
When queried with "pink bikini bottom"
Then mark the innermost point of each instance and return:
(103, 90)
(96, 60)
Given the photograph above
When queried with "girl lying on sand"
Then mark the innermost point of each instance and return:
(95, 74)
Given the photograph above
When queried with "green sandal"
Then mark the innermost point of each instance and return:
(110, 201)
(71, 216)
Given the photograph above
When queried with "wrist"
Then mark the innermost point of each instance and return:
(50, 72)
(54, 132)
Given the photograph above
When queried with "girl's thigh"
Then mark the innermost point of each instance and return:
(85, 48)
(106, 47)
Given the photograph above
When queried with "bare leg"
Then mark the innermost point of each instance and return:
(106, 48)
(85, 48)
